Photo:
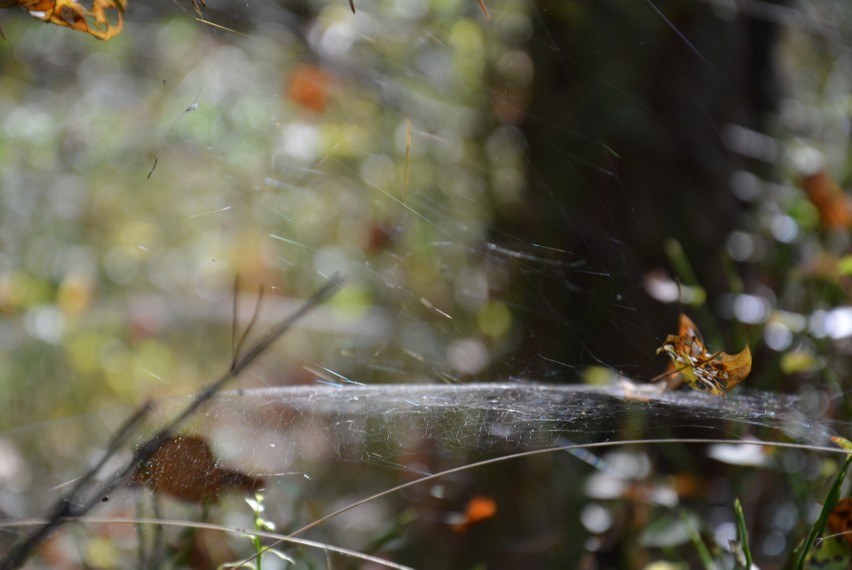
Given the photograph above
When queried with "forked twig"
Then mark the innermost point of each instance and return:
(74, 504)
(237, 345)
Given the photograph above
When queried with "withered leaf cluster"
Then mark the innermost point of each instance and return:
(716, 373)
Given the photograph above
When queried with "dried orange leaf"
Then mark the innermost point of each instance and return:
(734, 367)
(478, 509)
(308, 87)
(840, 519)
(835, 211)
(691, 362)
(102, 19)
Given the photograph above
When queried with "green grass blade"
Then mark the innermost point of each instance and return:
(743, 533)
(827, 507)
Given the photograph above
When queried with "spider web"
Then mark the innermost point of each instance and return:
(376, 437)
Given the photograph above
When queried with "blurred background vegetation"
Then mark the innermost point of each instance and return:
(514, 196)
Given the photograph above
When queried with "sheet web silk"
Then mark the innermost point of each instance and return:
(284, 428)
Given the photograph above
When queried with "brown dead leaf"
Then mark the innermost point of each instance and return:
(185, 468)
(716, 373)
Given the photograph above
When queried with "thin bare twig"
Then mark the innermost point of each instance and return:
(237, 347)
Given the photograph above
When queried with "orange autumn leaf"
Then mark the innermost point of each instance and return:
(102, 19)
(308, 87)
(185, 468)
(478, 509)
(835, 210)
(716, 373)
(840, 519)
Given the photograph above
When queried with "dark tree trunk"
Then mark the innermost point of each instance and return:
(627, 128)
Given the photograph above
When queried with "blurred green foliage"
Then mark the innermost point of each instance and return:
(150, 169)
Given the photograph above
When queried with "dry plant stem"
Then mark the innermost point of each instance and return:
(484, 9)
(219, 27)
(73, 504)
(328, 548)
(406, 172)
(601, 444)
(238, 346)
